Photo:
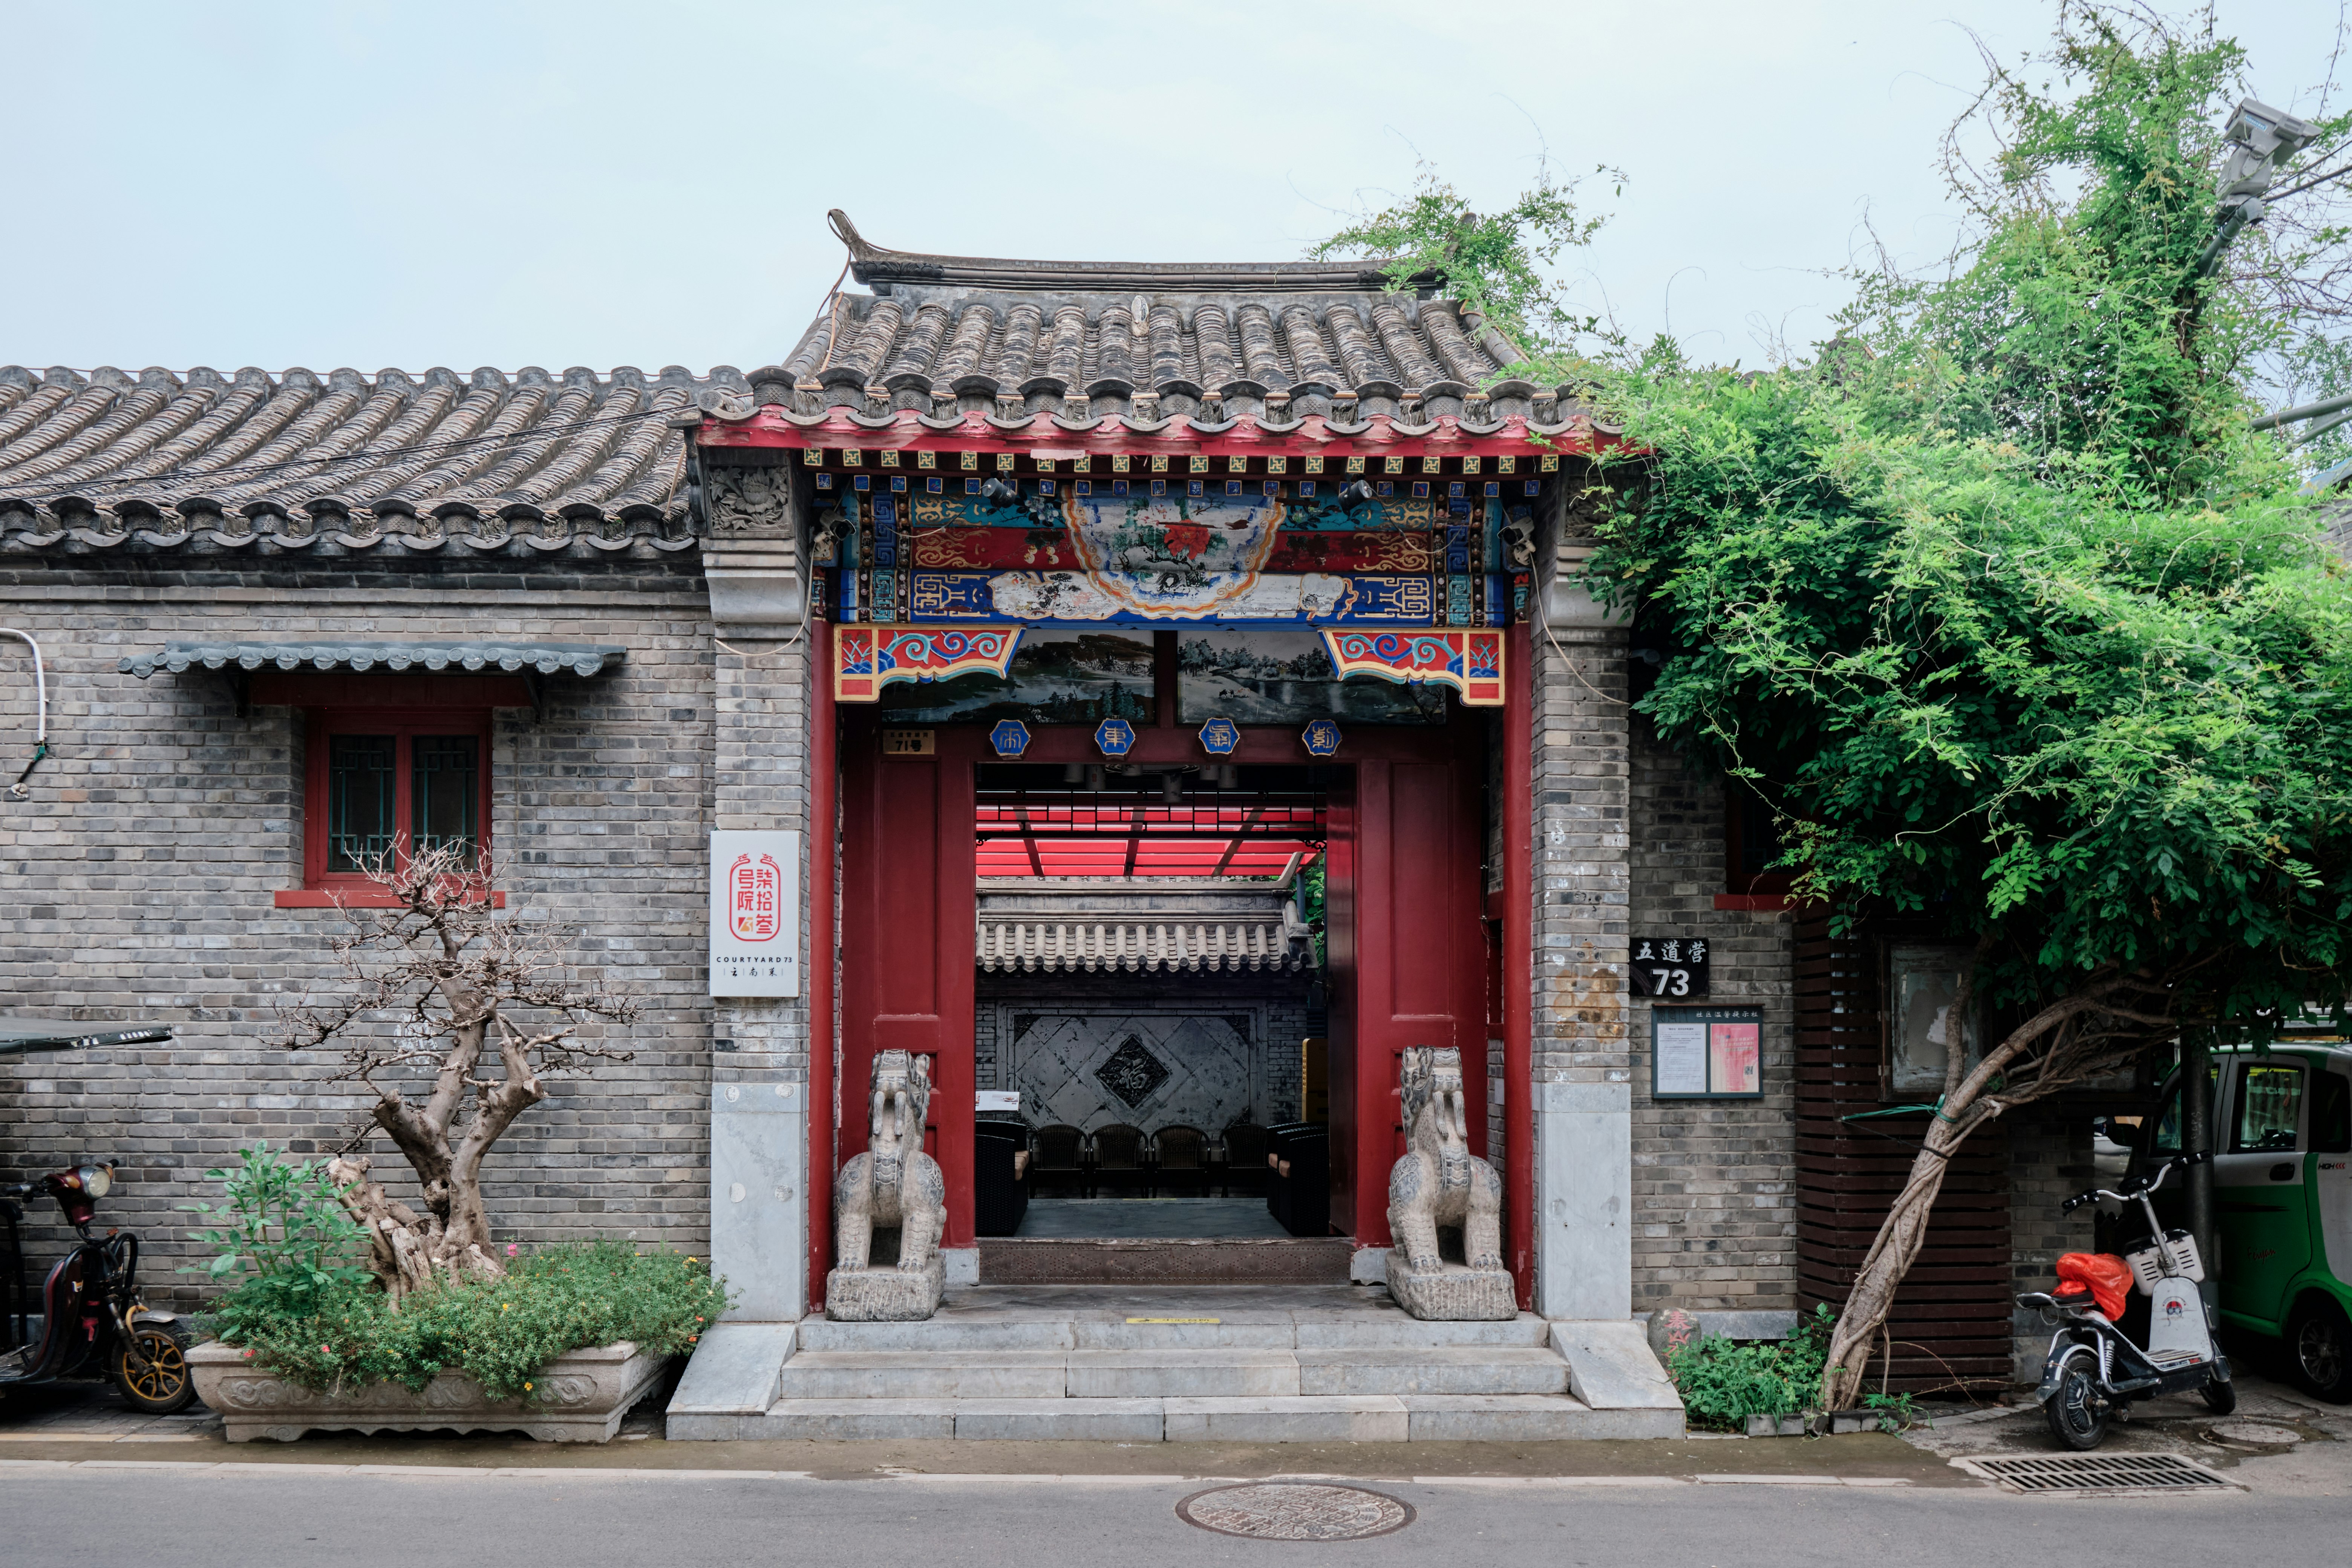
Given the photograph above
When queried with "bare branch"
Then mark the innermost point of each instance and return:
(431, 990)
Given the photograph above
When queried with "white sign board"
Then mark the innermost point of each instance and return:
(755, 914)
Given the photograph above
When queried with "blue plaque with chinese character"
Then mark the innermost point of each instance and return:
(1322, 738)
(1116, 737)
(1219, 736)
(1011, 737)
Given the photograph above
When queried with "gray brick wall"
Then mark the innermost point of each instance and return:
(760, 780)
(1714, 1199)
(142, 870)
(2049, 1160)
(1582, 880)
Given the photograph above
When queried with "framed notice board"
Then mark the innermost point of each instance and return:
(1706, 1053)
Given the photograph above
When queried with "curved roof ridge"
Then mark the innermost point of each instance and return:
(870, 263)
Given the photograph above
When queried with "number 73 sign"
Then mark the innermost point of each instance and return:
(1669, 966)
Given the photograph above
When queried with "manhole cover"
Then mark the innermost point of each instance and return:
(2098, 1473)
(1296, 1511)
(2260, 1434)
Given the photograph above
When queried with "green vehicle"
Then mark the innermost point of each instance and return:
(2282, 1192)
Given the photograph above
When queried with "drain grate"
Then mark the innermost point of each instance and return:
(2099, 1473)
(1277, 1511)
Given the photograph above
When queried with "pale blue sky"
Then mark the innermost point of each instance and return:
(598, 183)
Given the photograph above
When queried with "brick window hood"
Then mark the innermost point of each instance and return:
(399, 737)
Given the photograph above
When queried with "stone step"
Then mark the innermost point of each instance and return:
(1373, 1418)
(1438, 1370)
(1227, 1373)
(1231, 1330)
(921, 1375)
(1173, 1372)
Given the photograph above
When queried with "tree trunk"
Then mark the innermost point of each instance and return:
(408, 1251)
(1900, 1236)
(1965, 1105)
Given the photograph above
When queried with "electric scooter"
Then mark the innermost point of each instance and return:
(92, 1322)
(2094, 1372)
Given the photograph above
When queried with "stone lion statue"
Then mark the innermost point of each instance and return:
(1440, 1184)
(893, 1183)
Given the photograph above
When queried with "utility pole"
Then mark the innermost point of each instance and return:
(2259, 138)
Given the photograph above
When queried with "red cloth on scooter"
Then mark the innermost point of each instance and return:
(2107, 1277)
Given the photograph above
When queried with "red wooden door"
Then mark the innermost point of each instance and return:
(1407, 951)
(907, 909)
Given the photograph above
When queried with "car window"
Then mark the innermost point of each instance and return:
(2166, 1139)
(2270, 1102)
(2331, 1113)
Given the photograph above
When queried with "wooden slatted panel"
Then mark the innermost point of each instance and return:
(1951, 1318)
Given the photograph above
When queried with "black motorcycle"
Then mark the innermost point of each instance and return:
(93, 1323)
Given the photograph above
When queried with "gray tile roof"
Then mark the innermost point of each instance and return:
(545, 658)
(1148, 343)
(487, 462)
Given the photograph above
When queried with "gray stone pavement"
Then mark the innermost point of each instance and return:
(2280, 1446)
(267, 1516)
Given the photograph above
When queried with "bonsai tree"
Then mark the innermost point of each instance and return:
(454, 1016)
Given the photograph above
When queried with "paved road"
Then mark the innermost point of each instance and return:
(178, 1518)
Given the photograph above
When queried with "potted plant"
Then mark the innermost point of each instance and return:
(354, 1309)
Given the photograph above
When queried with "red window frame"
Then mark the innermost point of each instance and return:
(321, 886)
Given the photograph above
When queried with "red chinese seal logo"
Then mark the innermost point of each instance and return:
(754, 890)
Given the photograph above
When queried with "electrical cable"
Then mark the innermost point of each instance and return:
(20, 790)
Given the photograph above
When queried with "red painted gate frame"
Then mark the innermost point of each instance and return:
(1383, 875)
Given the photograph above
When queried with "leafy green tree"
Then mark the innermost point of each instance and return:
(2023, 632)
(1493, 264)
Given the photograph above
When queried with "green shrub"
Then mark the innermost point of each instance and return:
(283, 1225)
(1723, 1383)
(500, 1333)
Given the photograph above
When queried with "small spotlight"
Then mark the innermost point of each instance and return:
(1073, 773)
(998, 490)
(1094, 777)
(1360, 490)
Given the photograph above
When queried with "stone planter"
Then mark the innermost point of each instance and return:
(584, 1394)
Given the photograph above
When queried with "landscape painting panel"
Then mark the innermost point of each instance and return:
(1285, 678)
(1056, 678)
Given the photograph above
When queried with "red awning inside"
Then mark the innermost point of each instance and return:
(1123, 837)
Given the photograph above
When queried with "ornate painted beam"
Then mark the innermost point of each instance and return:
(867, 658)
(1469, 661)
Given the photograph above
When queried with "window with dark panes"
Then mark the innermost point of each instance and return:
(445, 791)
(2331, 1113)
(2270, 1102)
(360, 796)
(391, 782)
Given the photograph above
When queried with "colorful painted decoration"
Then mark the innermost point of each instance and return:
(867, 658)
(1219, 736)
(1322, 738)
(993, 548)
(1011, 737)
(1095, 596)
(1469, 661)
(1116, 737)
